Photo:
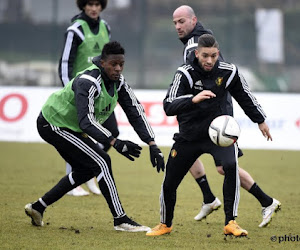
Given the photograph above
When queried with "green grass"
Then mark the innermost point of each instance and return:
(27, 171)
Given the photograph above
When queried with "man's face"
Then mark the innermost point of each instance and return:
(113, 66)
(184, 23)
(207, 57)
(93, 9)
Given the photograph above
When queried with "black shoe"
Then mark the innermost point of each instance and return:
(126, 224)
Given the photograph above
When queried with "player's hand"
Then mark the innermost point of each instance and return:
(264, 128)
(128, 149)
(203, 95)
(157, 158)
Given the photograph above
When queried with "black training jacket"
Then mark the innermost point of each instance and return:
(194, 119)
(89, 82)
(190, 44)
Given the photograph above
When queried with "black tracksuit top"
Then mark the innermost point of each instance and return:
(194, 119)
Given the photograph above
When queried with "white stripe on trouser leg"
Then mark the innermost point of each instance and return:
(237, 184)
(100, 162)
(103, 166)
(71, 178)
(100, 176)
(162, 203)
(42, 202)
(162, 207)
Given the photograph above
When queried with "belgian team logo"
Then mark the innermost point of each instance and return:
(219, 81)
(173, 153)
(84, 135)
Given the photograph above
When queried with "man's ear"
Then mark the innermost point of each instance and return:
(196, 53)
(194, 20)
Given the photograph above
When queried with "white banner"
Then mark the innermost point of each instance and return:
(269, 38)
(20, 106)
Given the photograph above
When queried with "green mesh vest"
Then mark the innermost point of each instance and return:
(60, 109)
(90, 47)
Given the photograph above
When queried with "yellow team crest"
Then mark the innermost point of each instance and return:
(173, 153)
(84, 135)
(219, 81)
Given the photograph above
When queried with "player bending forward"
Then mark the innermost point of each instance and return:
(75, 113)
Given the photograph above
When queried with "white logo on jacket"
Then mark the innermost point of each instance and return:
(198, 85)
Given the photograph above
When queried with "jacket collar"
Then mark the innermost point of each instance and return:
(198, 68)
(197, 31)
(107, 81)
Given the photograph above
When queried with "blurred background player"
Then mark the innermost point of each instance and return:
(85, 39)
(75, 114)
(189, 29)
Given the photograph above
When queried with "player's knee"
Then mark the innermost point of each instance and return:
(196, 173)
(229, 166)
(81, 177)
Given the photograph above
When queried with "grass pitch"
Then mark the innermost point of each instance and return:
(27, 171)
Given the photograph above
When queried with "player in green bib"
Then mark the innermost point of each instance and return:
(84, 39)
(71, 120)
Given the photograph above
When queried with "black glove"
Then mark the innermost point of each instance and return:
(157, 158)
(128, 149)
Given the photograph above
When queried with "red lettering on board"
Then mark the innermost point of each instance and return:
(21, 113)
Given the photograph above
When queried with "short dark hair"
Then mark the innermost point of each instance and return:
(112, 48)
(83, 3)
(207, 40)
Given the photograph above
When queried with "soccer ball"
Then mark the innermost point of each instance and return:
(224, 130)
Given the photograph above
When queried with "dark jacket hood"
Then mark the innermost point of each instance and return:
(96, 60)
(197, 31)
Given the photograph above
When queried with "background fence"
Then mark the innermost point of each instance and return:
(32, 36)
